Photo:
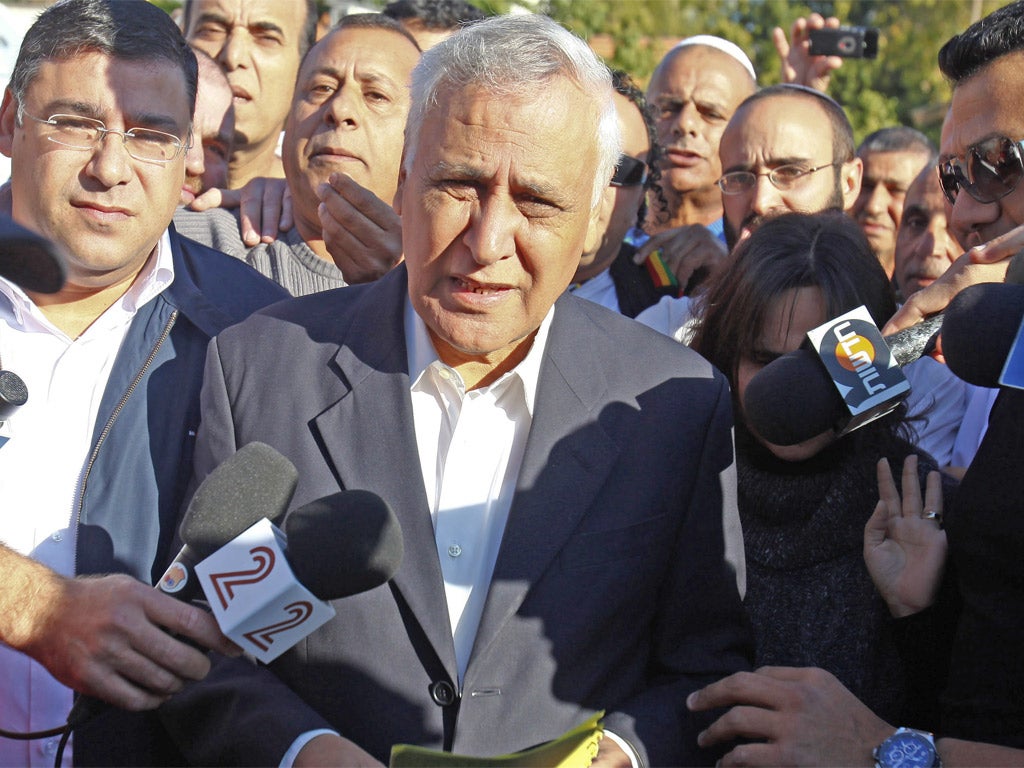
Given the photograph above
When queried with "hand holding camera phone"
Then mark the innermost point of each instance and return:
(848, 42)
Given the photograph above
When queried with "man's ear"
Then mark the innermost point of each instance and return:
(597, 225)
(850, 175)
(397, 202)
(8, 122)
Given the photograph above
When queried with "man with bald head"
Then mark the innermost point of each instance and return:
(694, 91)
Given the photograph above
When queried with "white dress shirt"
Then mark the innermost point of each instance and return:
(599, 289)
(471, 447)
(43, 449)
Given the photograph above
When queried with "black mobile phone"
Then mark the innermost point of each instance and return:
(848, 42)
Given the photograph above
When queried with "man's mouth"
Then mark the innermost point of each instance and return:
(466, 285)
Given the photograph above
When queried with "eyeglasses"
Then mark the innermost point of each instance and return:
(782, 178)
(993, 169)
(629, 172)
(143, 144)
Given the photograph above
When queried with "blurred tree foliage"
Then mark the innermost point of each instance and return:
(903, 85)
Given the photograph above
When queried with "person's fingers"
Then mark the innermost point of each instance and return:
(653, 243)
(747, 722)
(738, 688)
(781, 43)
(180, 618)
(911, 487)
(933, 495)
(887, 493)
(270, 209)
(211, 198)
(287, 210)
(1005, 246)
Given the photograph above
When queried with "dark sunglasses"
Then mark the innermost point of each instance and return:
(992, 169)
(629, 172)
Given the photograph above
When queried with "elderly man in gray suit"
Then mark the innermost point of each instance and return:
(563, 476)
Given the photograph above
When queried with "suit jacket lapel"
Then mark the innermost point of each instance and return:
(369, 437)
(568, 455)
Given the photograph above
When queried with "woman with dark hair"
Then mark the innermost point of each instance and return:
(803, 507)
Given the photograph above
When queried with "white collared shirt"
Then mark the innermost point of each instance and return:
(599, 289)
(471, 447)
(43, 449)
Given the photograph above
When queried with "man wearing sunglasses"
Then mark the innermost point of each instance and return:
(607, 275)
(804, 716)
(94, 466)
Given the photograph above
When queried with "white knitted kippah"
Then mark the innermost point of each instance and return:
(723, 45)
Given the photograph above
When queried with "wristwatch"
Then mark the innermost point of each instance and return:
(907, 748)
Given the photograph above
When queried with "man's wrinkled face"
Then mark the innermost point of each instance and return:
(257, 44)
(104, 208)
(351, 104)
(496, 209)
(924, 247)
(879, 206)
(694, 92)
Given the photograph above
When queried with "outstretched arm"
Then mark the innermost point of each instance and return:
(107, 637)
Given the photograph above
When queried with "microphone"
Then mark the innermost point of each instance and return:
(266, 589)
(255, 482)
(13, 393)
(28, 259)
(849, 378)
(982, 324)
(344, 544)
(794, 399)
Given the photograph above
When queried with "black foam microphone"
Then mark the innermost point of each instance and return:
(13, 394)
(28, 259)
(794, 398)
(344, 544)
(256, 482)
(982, 323)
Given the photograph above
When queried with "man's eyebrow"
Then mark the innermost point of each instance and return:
(266, 26)
(212, 17)
(772, 163)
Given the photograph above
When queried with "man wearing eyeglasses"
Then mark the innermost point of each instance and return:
(777, 159)
(969, 654)
(94, 466)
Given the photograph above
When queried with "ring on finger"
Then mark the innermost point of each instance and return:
(931, 514)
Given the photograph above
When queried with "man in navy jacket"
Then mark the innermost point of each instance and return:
(94, 466)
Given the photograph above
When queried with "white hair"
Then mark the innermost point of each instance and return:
(516, 57)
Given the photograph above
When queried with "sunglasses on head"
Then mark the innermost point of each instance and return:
(629, 172)
(991, 170)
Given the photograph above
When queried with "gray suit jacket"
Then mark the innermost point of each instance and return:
(616, 583)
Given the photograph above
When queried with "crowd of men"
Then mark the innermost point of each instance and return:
(406, 253)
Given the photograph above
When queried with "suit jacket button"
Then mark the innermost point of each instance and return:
(443, 693)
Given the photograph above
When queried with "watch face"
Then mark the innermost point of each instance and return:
(906, 750)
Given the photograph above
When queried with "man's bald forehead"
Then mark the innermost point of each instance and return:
(704, 57)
